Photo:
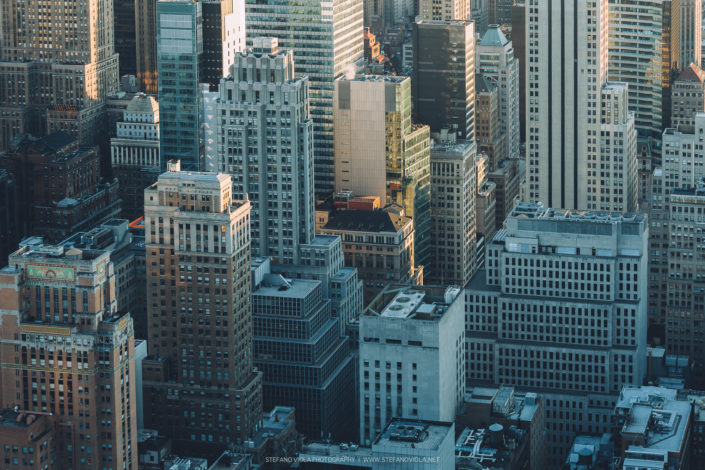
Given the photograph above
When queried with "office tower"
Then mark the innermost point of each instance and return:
(561, 308)
(34, 433)
(479, 13)
(9, 215)
(499, 12)
(379, 244)
(519, 43)
(506, 178)
(685, 301)
(72, 354)
(327, 42)
(146, 45)
(57, 66)
(61, 188)
(412, 357)
(445, 10)
(134, 153)
(200, 386)
(293, 315)
(443, 79)
(181, 69)
(690, 32)
(125, 35)
(635, 47)
(670, 62)
(379, 152)
(223, 37)
(614, 187)
(491, 141)
(453, 192)
(683, 159)
(264, 139)
(567, 52)
(497, 64)
(687, 96)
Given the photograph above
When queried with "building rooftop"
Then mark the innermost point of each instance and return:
(482, 85)
(692, 73)
(656, 415)
(231, 461)
(417, 434)
(413, 302)
(366, 221)
(493, 37)
(35, 248)
(590, 452)
(531, 210)
(16, 418)
(276, 285)
(491, 447)
(379, 78)
(459, 149)
(143, 104)
(57, 140)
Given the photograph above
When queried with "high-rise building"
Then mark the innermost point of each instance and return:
(561, 309)
(443, 79)
(480, 14)
(445, 10)
(60, 185)
(671, 53)
(567, 66)
(499, 12)
(506, 178)
(200, 385)
(181, 70)
(57, 66)
(691, 12)
(134, 153)
(453, 218)
(635, 48)
(519, 43)
(223, 37)
(687, 96)
(380, 244)
(327, 42)
(616, 188)
(683, 159)
(491, 140)
(146, 45)
(9, 215)
(379, 152)
(319, 381)
(69, 354)
(497, 63)
(412, 356)
(264, 139)
(485, 207)
(125, 35)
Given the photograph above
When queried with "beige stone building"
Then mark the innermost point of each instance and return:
(65, 350)
(687, 96)
(444, 10)
(57, 66)
(379, 244)
(197, 240)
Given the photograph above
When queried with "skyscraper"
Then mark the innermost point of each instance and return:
(379, 152)
(223, 37)
(691, 12)
(200, 385)
(497, 64)
(327, 42)
(561, 309)
(57, 66)
(453, 213)
(635, 48)
(181, 70)
(567, 51)
(617, 186)
(265, 141)
(443, 79)
(446, 10)
(671, 53)
(125, 36)
(412, 356)
(68, 353)
(480, 14)
(146, 45)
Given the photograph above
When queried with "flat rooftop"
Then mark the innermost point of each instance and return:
(275, 285)
(533, 210)
(421, 434)
(413, 302)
